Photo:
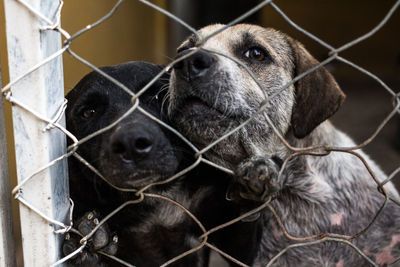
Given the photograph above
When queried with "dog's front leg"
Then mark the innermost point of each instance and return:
(256, 179)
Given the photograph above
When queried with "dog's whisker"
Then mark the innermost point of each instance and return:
(165, 100)
(164, 87)
(217, 97)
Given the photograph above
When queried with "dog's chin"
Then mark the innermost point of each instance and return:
(134, 181)
(128, 174)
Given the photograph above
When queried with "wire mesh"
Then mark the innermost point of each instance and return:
(314, 150)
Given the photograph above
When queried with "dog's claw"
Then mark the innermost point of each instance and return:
(90, 215)
(111, 248)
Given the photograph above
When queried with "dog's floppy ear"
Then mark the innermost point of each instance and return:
(318, 96)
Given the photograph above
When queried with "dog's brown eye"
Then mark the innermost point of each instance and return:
(255, 54)
(88, 113)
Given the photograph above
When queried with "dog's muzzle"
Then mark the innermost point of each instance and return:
(194, 67)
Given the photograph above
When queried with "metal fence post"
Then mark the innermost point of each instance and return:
(7, 251)
(42, 91)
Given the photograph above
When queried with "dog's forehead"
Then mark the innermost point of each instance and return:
(236, 33)
(233, 32)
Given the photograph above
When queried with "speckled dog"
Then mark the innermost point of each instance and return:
(211, 94)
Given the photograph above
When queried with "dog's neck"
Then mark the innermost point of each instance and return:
(307, 168)
(301, 172)
(323, 135)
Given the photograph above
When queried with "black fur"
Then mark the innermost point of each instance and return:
(146, 236)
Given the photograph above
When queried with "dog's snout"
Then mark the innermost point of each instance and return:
(133, 144)
(196, 65)
(143, 145)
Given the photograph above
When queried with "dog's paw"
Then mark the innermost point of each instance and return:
(256, 179)
(102, 240)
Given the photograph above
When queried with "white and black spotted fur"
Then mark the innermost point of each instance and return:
(210, 94)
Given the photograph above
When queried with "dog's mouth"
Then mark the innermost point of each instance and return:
(193, 106)
(138, 172)
(197, 109)
(143, 181)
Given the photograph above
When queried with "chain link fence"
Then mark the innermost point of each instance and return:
(49, 21)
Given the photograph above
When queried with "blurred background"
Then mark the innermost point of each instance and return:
(138, 32)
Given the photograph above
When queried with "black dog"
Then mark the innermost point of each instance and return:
(136, 152)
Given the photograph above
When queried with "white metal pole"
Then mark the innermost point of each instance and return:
(42, 91)
(7, 249)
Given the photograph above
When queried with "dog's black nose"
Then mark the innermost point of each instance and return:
(131, 144)
(194, 66)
